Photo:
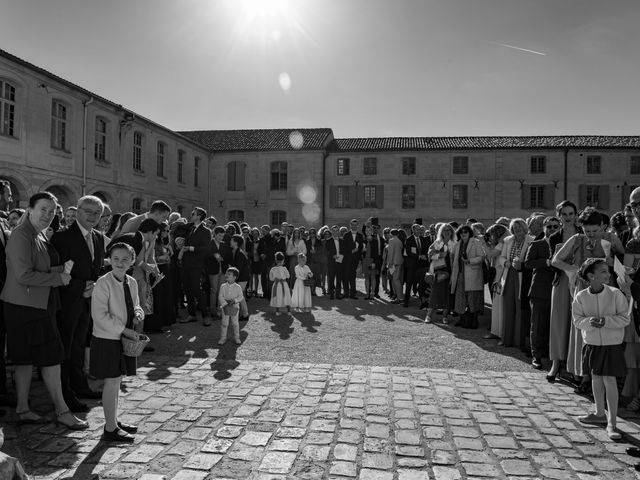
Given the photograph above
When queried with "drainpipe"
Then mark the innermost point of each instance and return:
(325, 154)
(566, 172)
(85, 104)
(209, 183)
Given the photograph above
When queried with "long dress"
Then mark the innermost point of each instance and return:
(280, 293)
(632, 340)
(301, 294)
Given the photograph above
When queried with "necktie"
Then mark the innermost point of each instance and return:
(90, 244)
(418, 242)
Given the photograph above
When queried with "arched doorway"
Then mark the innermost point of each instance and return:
(19, 194)
(65, 196)
(104, 196)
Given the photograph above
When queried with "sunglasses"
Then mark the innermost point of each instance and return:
(552, 227)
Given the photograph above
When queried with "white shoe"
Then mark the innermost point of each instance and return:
(427, 319)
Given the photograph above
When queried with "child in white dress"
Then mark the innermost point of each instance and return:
(280, 293)
(229, 299)
(301, 294)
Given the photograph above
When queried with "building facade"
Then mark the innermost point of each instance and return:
(60, 137)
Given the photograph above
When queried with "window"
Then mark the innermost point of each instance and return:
(409, 166)
(594, 165)
(370, 196)
(593, 196)
(278, 216)
(461, 165)
(342, 197)
(370, 166)
(343, 166)
(460, 196)
(235, 176)
(537, 197)
(180, 166)
(7, 108)
(160, 160)
(539, 164)
(634, 165)
(59, 125)
(137, 152)
(136, 205)
(236, 216)
(196, 170)
(278, 175)
(408, 196)
(100, 145)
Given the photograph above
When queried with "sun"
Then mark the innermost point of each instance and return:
(257, 9)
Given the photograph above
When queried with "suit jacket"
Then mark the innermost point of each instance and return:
(241, 262)
(350, 244)
(72, 246)
(536, 259)
(376, 246)
(330, 246)
(266, 247)
(199, 238)
(29, 276)
(394, 252)
(211, 265)
(4, 239)
(411, 251)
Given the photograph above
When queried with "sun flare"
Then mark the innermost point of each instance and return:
(254, 9)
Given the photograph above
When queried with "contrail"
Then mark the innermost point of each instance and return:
(518, 48)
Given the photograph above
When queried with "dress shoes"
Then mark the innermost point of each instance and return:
(375, 295)
(128, 428)
(633, 452)
(76, 406)
(339, 297)
(189, 319)
(148, 349)
(117, 435)
(89, 395)
(332, 297)
(353, 297)
(536, 363)
(491, 336)
(206, 322)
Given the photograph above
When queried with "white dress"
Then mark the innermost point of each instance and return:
(280, 293)
(301, 295)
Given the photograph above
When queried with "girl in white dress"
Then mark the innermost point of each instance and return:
(301, 295)
(280, 293)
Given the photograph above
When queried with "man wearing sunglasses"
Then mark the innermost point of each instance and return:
(538, 258)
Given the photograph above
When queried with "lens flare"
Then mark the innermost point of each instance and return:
(296, 140)
(307, 194)
(285, 81)
(311, 213)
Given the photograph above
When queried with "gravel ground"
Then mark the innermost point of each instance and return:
(356, 332)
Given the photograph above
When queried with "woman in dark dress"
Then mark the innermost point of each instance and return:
(163, 300)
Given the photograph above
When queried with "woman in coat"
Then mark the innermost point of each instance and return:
(440, 259)
(466, 277)
(514, 249)
(497, 233)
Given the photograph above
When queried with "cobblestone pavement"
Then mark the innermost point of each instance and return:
(206, 419)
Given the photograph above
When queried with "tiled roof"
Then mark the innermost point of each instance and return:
(280, 139)
(481, 143)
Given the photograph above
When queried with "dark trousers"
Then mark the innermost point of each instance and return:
(3, 344)
(539, 335)
(193, 291)
(336, 281)
(74, 322)
(350, 276)
(265, 266)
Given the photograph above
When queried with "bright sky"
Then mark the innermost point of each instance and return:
(362, 67)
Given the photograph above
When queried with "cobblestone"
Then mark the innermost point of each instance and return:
(279, 420)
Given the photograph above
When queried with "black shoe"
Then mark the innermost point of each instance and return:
(537, 364)
(353, 297)
(76, 406)
(376, 295)
(331, 297)
(244, 319)
(128, 428)
(339, 297)
(89, 395)
(117, 436)
(149, 349)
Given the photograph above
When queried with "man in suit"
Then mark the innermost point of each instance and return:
(394, 264)
(192, 255)
(85, 245)
(5, 204)
(353, 247)
(335, 262)
(415, 262)
(159, 211)
(215, 267)
(538, 258)
(377, 248)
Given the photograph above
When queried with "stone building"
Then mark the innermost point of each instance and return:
(58, 136)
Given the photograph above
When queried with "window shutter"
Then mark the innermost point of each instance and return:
(353, 196)
(333, 197)
(380, 196)
(240, 173)
(549, 196)
(603, 193)
(526, 197)
(231, 176)
(582, 196)
(626, 191)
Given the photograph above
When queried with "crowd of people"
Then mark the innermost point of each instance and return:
(73, 282)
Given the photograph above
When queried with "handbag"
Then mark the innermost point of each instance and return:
(309, 282)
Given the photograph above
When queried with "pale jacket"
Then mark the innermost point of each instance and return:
(473, 280)
(108, 308)
(611, 304)
(507, 243)
(394, 252)
(230, 294)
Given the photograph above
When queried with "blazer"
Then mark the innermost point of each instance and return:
(29, 275)
(350, 244)
(72, 246)
(108, 307)
(536, 259)
(211, 265)
(241, 262)
(199, 238)
(330, 246)
(472, 272)
(411, 251)
(4, 239)
(394, 252)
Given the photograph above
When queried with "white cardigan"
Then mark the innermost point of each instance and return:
(108, 307)
(610, 304)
